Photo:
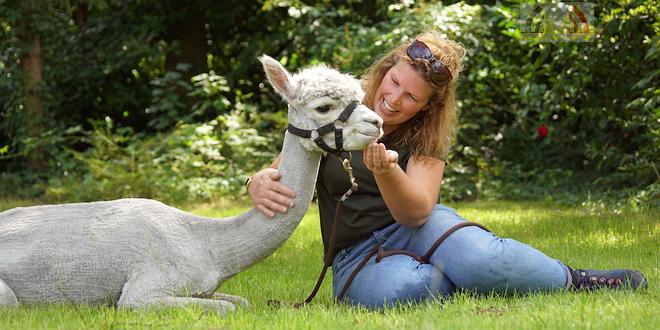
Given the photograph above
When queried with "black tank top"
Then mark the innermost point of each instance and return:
(362, 213)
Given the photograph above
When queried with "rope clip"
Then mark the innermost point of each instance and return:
(347, 167)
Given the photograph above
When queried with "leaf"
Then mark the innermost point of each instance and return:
(645, 81)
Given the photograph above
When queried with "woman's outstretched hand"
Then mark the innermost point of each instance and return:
(268, 194)
(379, 160)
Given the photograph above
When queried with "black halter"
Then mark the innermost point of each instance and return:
(327, 128)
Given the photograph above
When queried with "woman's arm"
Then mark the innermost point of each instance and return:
(410, 196)
(268, 194)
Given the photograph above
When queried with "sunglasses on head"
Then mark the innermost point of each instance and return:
(440, 74)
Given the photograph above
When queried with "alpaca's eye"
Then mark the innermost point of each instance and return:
(323, 108)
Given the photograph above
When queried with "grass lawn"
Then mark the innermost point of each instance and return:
(581, 238)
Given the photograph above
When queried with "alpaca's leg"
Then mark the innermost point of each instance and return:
(236, 300)
(7, 296)
(150, 292)
(221, 307)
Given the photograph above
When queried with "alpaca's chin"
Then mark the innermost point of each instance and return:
(360, 141)
(357, 142)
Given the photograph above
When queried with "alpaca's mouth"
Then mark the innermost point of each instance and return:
(372, 134)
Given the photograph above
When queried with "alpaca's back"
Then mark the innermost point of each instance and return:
(89, 250)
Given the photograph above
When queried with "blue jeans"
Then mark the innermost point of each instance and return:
(470, 258)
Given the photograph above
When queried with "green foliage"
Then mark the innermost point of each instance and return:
(168, 97)
(598, 138)
(192, 162)
(601, 133)
(598, 100)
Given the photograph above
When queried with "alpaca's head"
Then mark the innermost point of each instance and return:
(317, 96)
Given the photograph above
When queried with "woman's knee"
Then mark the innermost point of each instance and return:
(494, 264)
(442, 221)
(396, 279)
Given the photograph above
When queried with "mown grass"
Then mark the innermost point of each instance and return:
(580, 237)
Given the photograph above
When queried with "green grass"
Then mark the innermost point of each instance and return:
(575, 235)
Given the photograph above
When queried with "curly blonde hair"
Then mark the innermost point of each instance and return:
(429, 133)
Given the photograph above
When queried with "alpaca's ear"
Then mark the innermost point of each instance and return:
(278, 76)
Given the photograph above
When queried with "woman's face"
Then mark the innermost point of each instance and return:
(402, 93)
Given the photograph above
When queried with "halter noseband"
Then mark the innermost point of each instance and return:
(327, 128)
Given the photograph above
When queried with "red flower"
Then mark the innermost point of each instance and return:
(543, 131)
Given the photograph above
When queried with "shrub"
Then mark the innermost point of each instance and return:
(192, 162)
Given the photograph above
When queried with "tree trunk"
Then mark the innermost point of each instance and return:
(32, 62)
(81, 15)
(190, 32)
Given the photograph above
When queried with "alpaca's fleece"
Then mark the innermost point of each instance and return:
(322, 81)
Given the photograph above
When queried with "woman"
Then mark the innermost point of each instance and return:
(412, 88)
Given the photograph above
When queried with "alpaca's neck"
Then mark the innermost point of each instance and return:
(237, 243)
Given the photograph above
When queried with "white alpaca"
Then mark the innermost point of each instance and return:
(140, 252)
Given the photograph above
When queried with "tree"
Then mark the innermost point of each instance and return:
(33, 66)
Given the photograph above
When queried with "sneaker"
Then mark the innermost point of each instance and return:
(592, 279)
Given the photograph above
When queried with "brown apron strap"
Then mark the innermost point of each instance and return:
(380, 254)
(446, 234)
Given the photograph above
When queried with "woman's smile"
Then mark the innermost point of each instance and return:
(388, 107)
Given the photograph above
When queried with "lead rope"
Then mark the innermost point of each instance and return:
(346, 163)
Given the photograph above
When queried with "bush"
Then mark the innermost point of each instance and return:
(541, 120)
(193, 162)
